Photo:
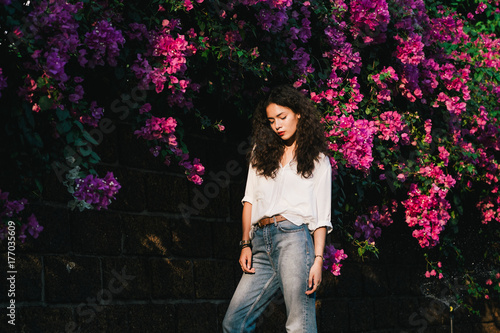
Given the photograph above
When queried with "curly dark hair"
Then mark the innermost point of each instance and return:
(268, 147)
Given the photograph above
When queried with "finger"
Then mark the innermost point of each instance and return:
(313, 287)
(311, 291)
(311, 280)
(246, 265)
(249, 267)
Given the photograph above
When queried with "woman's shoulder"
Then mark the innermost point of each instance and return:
(322, 161)
(323, 158)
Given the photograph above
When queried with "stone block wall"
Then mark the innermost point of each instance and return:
(164, 257)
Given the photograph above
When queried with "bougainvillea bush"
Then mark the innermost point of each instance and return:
(409, 92)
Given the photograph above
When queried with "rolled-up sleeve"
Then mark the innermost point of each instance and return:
(250, 186)
(323, 191)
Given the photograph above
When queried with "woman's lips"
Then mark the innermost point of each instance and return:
(281, 133)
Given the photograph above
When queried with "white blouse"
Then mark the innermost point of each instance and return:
(300, 200)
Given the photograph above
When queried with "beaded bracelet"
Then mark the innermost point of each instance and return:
(319, 255)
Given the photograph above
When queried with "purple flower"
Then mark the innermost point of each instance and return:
(333, 257)
(95, 115)
(104, 40)
(77, 95)
(97, 191)
(34, 228)
(3, 81)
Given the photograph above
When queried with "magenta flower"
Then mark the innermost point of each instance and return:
(157, 129)
(411, 50)
(427, 212)
(145, 108)
(333, 257)
(370, 17)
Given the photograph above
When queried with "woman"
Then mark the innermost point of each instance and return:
(287, 198)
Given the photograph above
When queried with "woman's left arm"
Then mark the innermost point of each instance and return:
(319, 236)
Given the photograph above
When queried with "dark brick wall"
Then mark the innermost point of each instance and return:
(146, 265)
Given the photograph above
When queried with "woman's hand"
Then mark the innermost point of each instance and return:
(246, 260)
(315, 275)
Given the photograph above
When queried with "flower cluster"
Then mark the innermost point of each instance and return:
(368, 225)
(333, 257)
(12, 210)
(354, 140)
(194, 169)
(428, 213)
(433, 271)
(94, 191)
(54, 23)
(168, 56)
(386, 75)
(103, 41)
(273, 21)
(392, 127)
(411, 50)
(162, 130)
(95, 115)
(490, 209)
(159, 129)
(369, 20)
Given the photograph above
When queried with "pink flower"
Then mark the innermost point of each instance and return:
(145, 108)
(480, 8)
(411, 50)
(333, 257)
(443, 155)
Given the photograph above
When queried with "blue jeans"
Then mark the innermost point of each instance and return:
(283, 254)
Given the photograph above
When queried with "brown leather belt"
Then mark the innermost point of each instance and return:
(268, 220)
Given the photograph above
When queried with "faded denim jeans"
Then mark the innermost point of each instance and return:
(283, 254)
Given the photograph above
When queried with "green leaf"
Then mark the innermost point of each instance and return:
(45, 103)
(64, 127)
(89, 138)
(94, 158)
(79, 125)
(62, 114)
(79, 142)
(70, 137)
(39, 185)
(29, 116)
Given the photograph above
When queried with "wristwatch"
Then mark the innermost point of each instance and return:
(245, 243)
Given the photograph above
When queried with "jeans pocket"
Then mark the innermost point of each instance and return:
(287, 227)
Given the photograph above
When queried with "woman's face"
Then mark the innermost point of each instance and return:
(283, 121)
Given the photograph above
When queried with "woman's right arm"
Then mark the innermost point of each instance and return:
(246, 253)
